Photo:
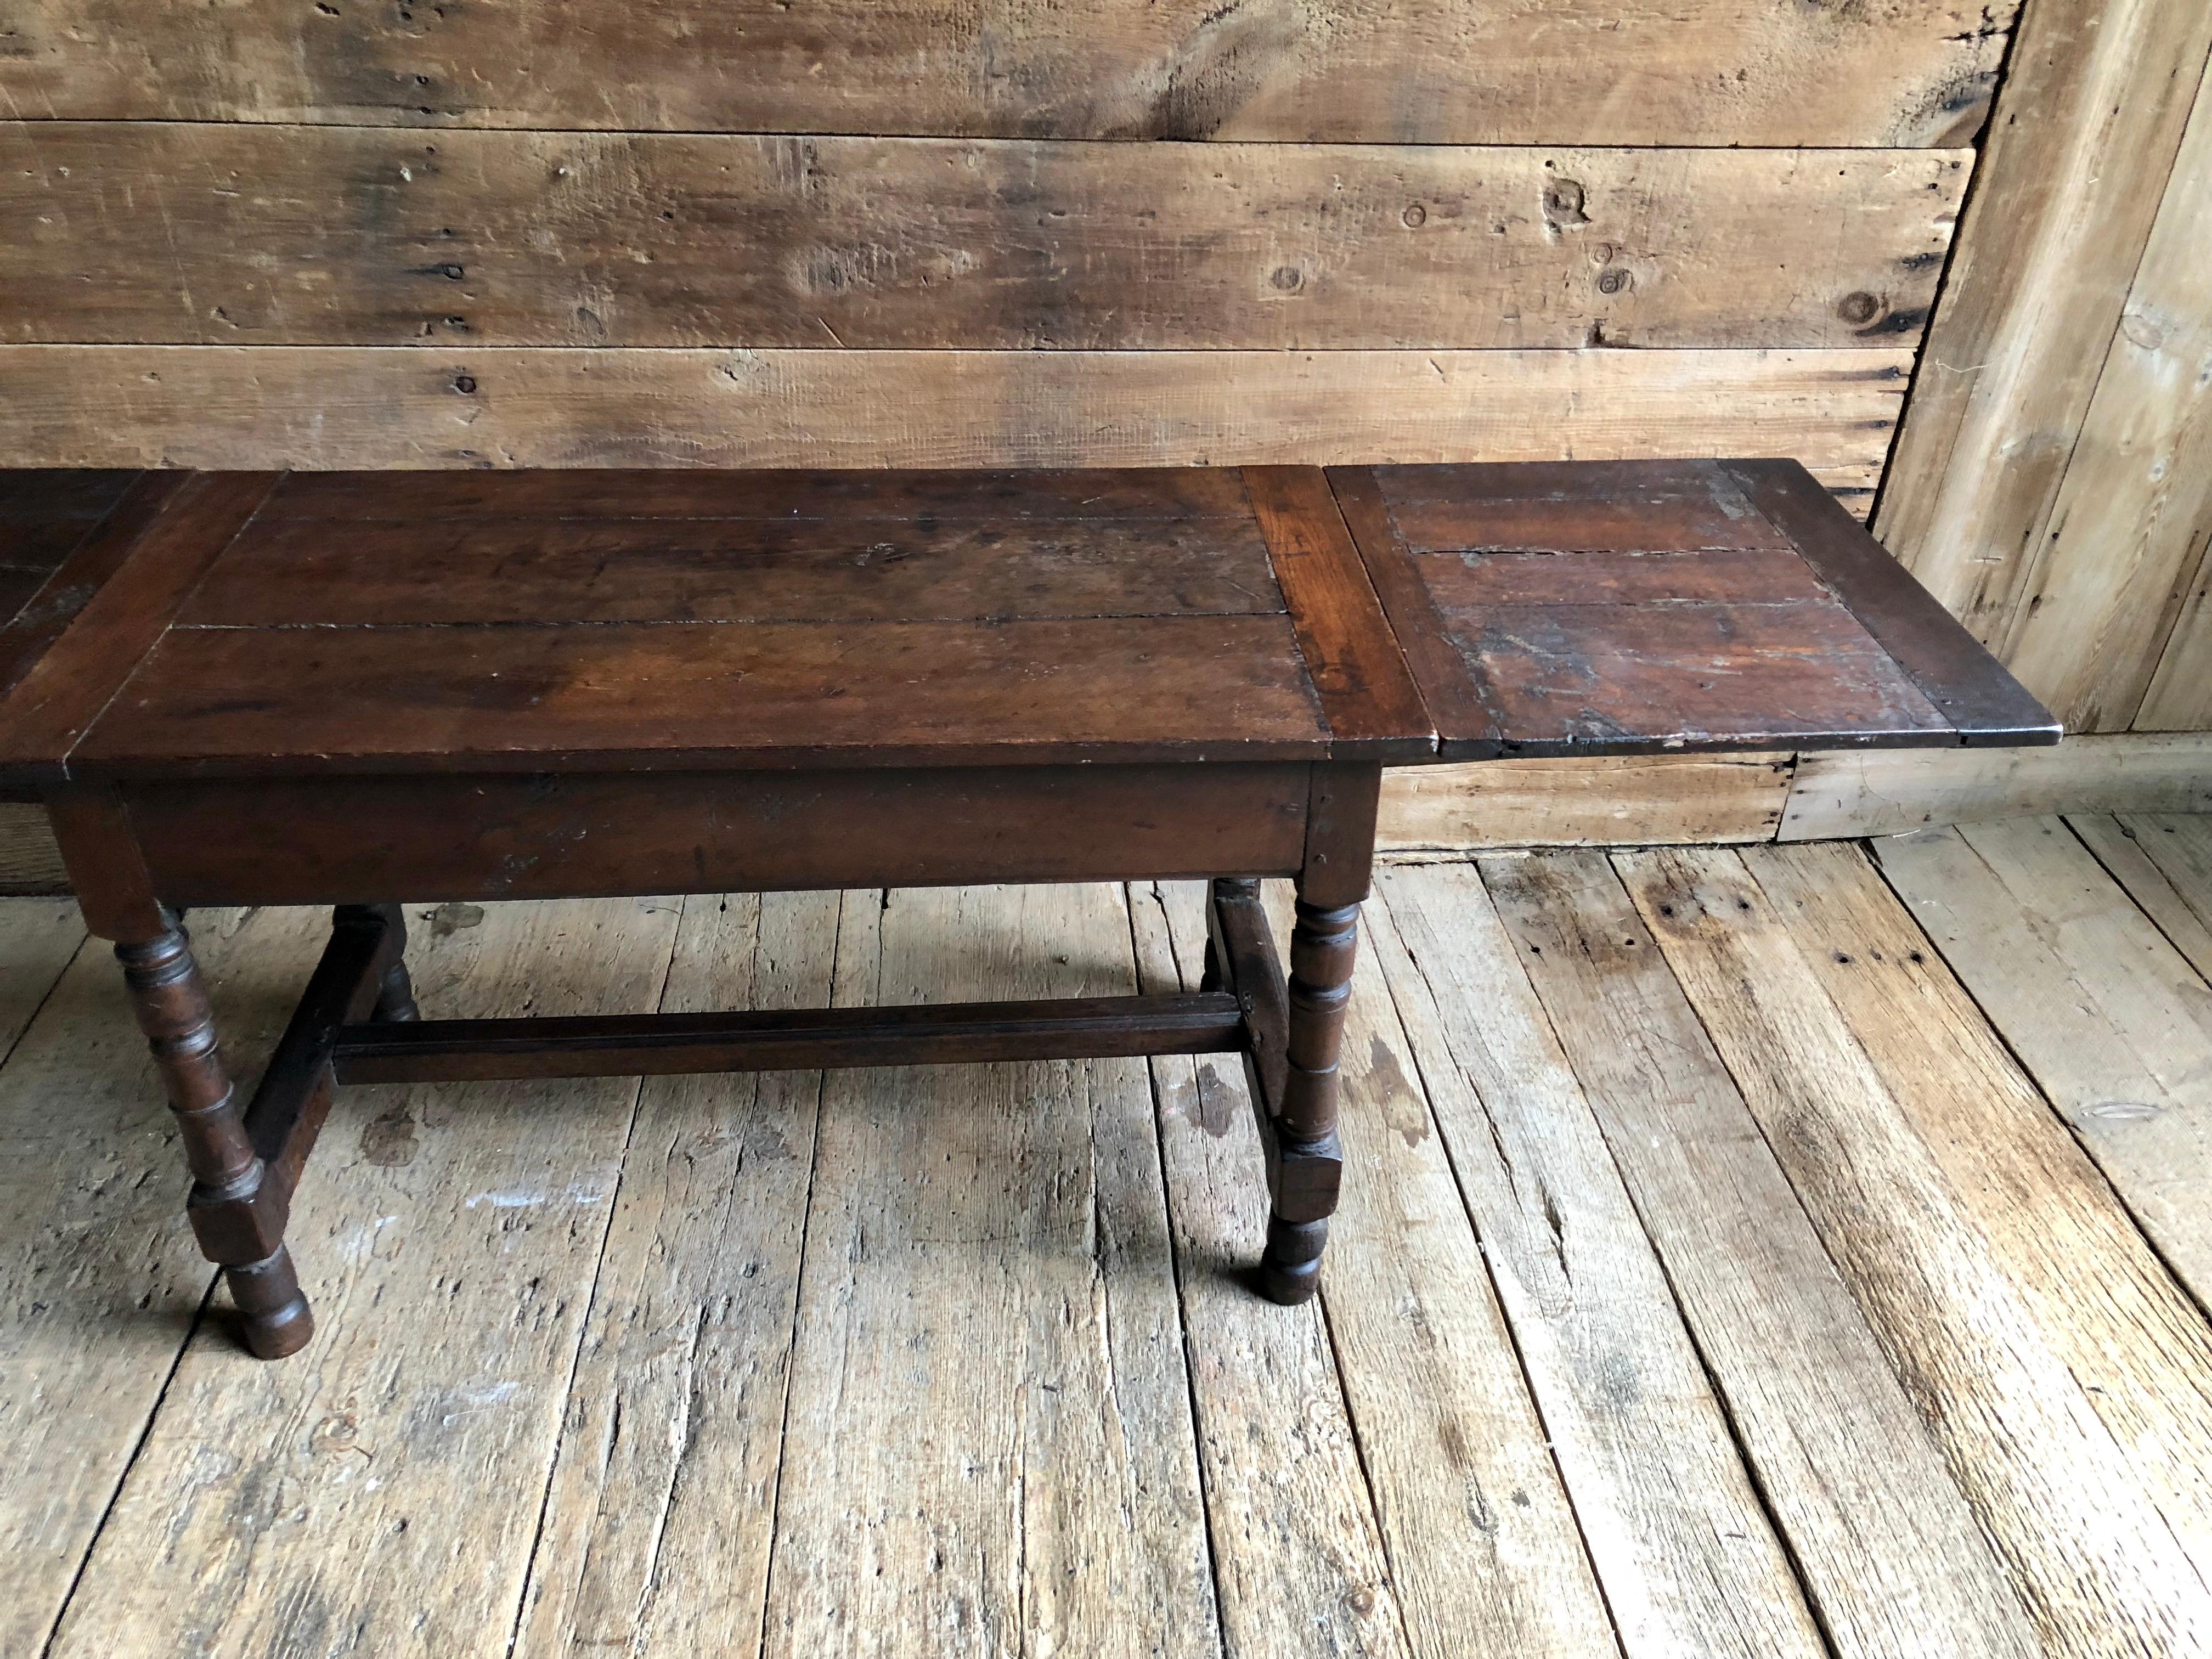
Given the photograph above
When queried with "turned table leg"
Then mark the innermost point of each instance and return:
(171, 1003)
(395, 991)
(1306, 1169)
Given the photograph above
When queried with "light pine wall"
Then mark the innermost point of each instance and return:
(2053, 480)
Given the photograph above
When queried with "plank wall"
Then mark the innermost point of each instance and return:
(754, 232)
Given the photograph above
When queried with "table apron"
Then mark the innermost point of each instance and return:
(367, 839)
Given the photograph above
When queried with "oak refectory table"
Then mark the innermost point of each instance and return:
(346, 688)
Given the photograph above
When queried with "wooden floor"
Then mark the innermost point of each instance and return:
(1789, 1251)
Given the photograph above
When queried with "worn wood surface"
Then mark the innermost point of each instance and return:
(1373, 1473)
(1543, 611)
(339, 236)
(1401, 1518)
(983, 1290)
(2133, 516)
(1865, 1069)
(2164, 860)
(184, 525)
(397, 1426)
(1706, 72)
(1792, 1355)
(2096, 95)
(102, 1285)
(1841, 795)
(2179, 697)
(1688, 1559)
(2112, 1021)
(325, 407)
(1634, 800)
(661, 1512)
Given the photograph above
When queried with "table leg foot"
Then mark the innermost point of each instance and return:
(1289, 1272)
(170, 1000)
(277, 1319)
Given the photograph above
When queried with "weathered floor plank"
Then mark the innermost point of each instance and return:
(2062, 1371)
(1688, 1559)
(658, 1528)
(991, 1449)
(1887, 1545)
(377, 1491)
(2111, 1020)
(2164, 859)
(37, 938)
(99, 1280)
(1480, 1540)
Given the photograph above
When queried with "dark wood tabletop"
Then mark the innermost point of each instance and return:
(254, 625)
(1581, 608)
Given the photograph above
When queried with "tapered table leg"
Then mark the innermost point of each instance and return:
(171, 1003)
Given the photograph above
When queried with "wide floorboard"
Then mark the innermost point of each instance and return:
(1790, 1250)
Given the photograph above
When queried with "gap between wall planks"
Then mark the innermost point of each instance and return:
(2086, 127)
(360, 236)
(1708, 72)
(322, 407)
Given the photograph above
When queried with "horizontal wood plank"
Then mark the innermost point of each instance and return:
(1636, 72)
(331, 840)
(1614, 800)
(1889, 794)
(351, 236)
(711, 694)
(286, 573)
(328, 407)
(968, 497)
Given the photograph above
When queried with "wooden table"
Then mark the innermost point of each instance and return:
(340, 689)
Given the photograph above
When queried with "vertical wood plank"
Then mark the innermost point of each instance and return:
(2078, 149)
(1683, 1548)
(1480, 1541)
(2059, 1365)
(1888, 1548)
(657, 1531)
(381, 1489)
(989, 1447)
(102, 1281)
(2179, 698)
(2106, 579)
(2111, 1019)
